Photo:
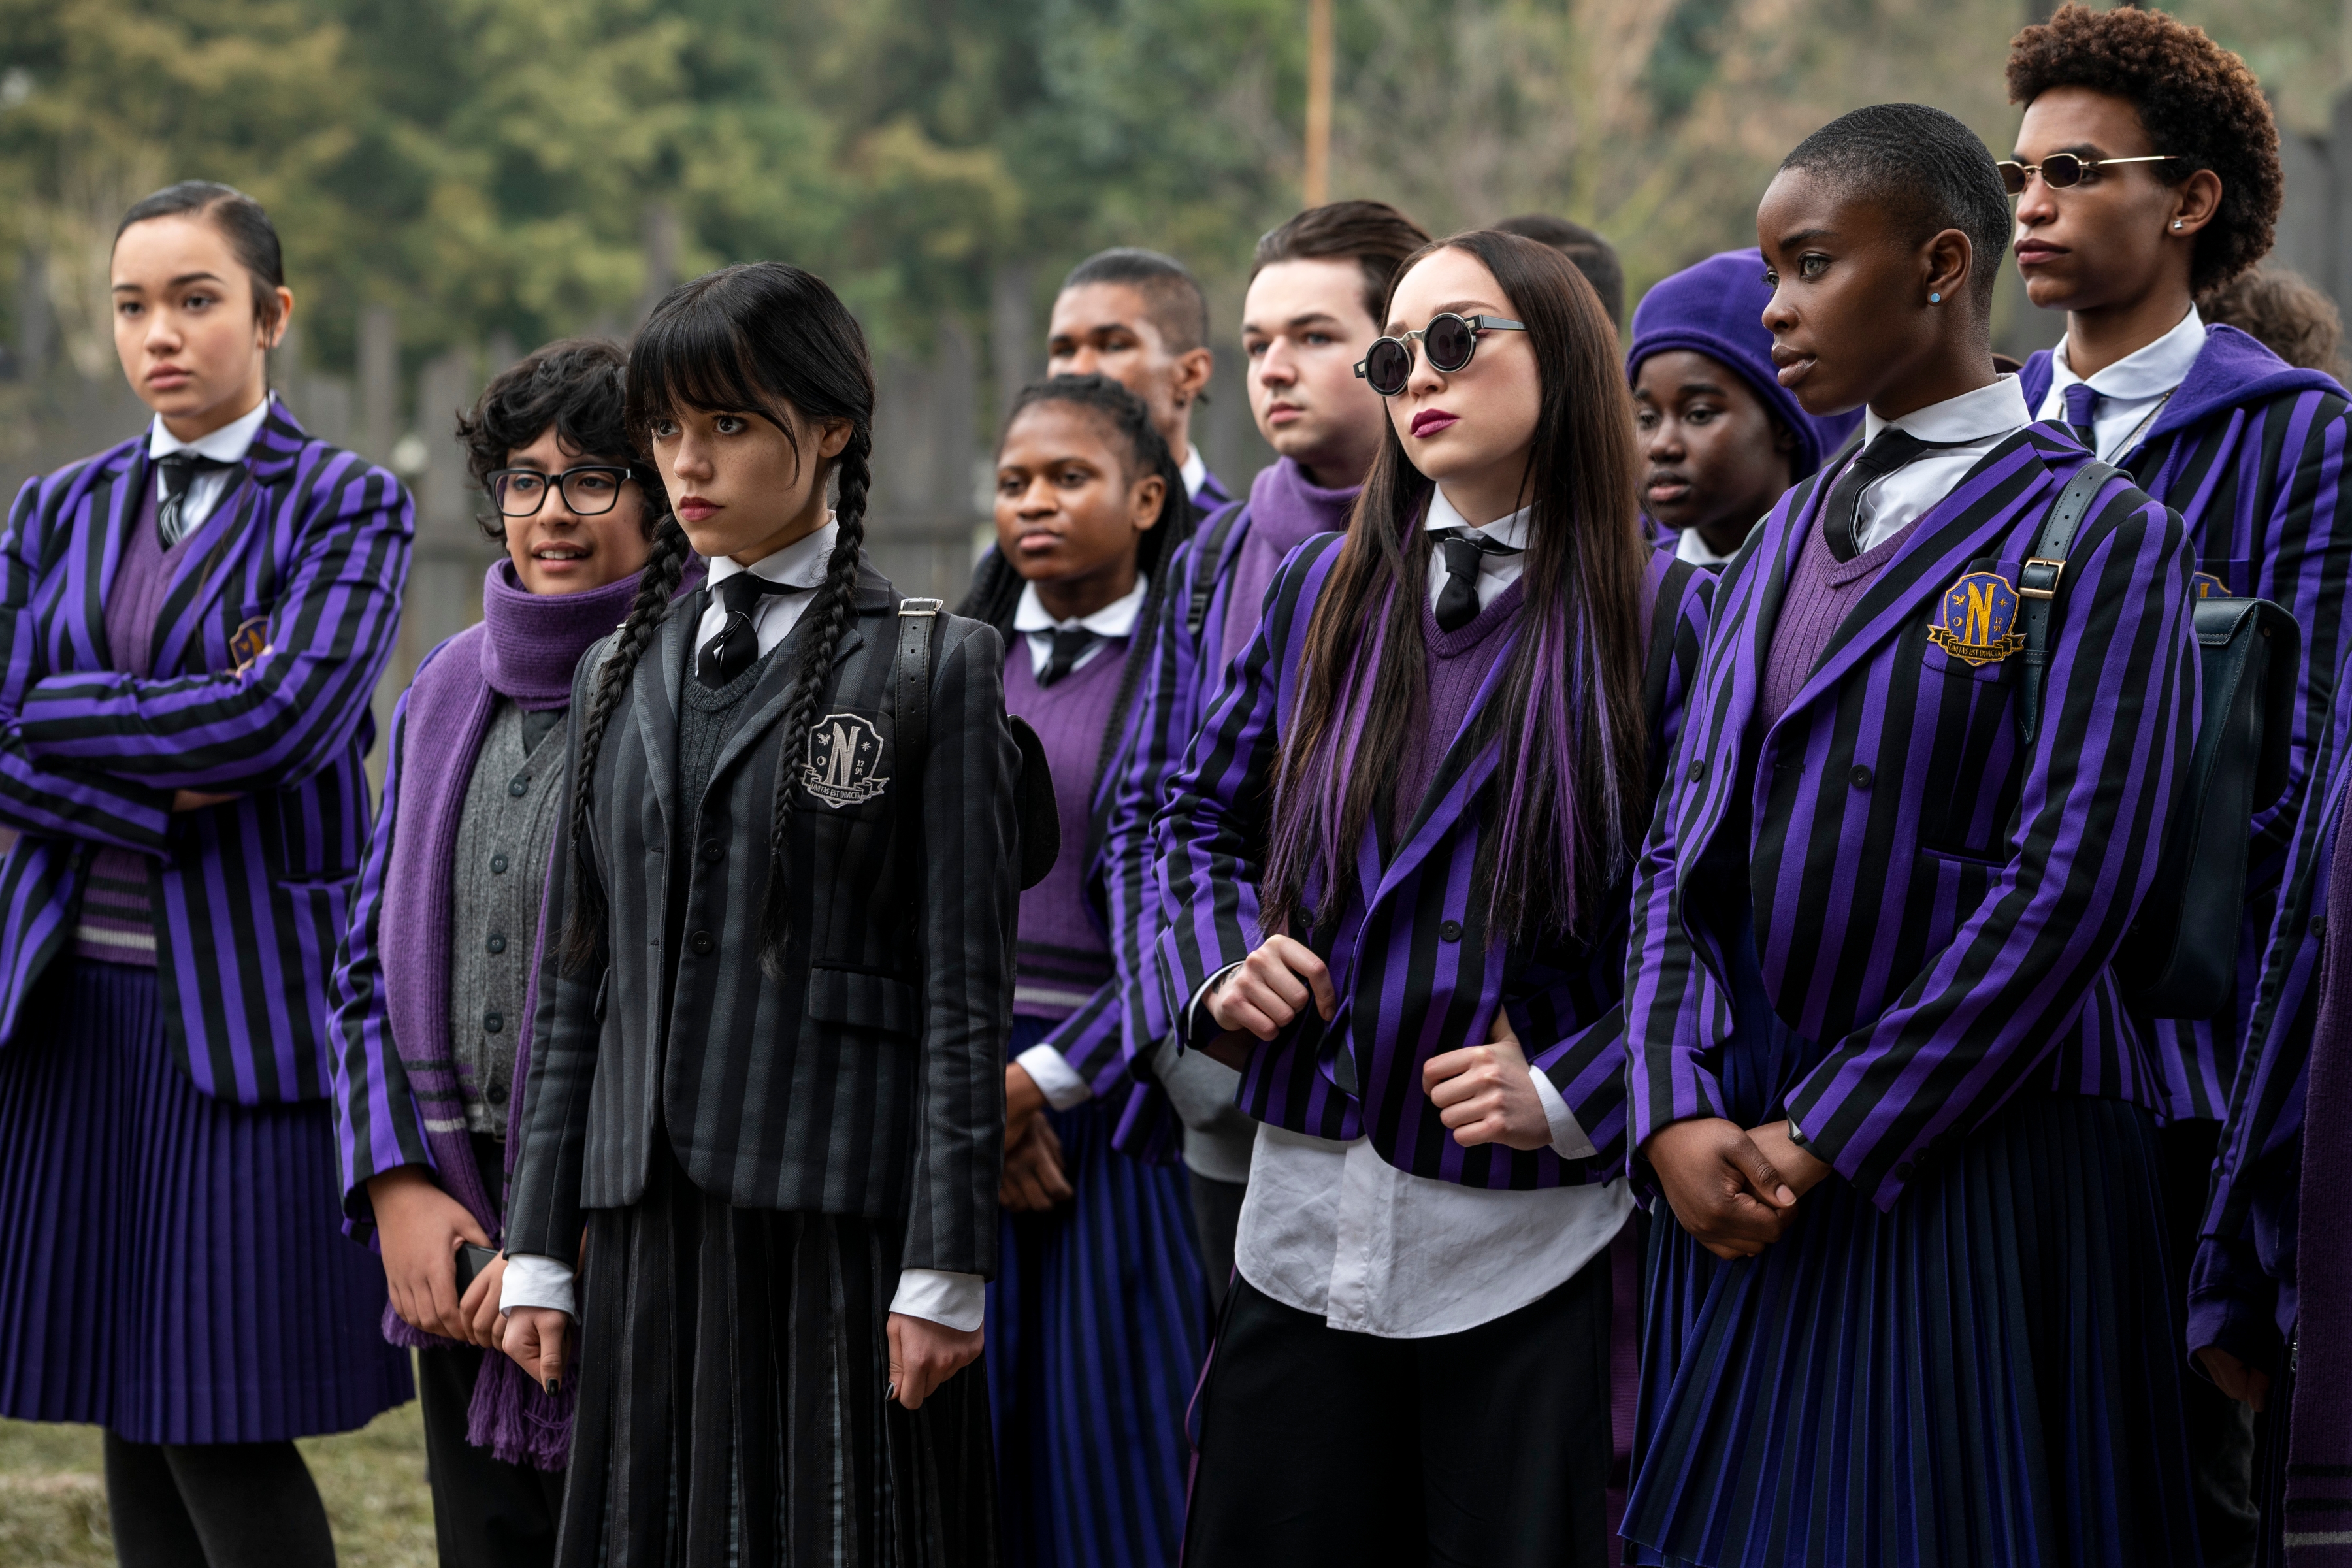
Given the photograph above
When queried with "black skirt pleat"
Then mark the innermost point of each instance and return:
(733, 1412)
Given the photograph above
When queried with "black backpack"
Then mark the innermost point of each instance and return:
(2179, 960)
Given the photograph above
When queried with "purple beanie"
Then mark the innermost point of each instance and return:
(1716, 309)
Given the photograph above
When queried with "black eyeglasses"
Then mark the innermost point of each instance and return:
(589, 491)
(1449, 340)
(2060, 170)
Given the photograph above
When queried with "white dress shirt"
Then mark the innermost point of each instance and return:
(1496, 573)
(957, 1300)
(774, 615)
(2130, 390)
(1195, 469)
(229, 444)
(1967, 427)
(1696, 550)
(1047, 1067)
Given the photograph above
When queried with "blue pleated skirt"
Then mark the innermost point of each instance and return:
(1098, 1322)
(1986, 1376)
(172, 1265)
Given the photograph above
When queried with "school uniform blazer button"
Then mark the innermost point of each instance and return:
(1903, 1172)
(518, 785)
(2319, 925)
(1450, 932)
(712, 849)
(703, 942)
(1697, 772)
(493, 1021)
(1860, 778)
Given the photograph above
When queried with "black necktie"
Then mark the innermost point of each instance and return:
(1841, 518)
(180, 472)
(2082, 406)
(1069, 643)
(736, 648)
(1458, 600)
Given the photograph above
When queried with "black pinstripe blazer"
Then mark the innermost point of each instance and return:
(870, 1080)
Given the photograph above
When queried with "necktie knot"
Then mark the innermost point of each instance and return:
(1890, 449)
(2082, 414)
(179, 473)
(1070, 644)
(1457, 599)
(736, 648)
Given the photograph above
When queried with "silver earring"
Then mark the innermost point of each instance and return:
(2176, 225)
(1935, 298)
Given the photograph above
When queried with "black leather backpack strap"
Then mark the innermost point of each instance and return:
(910, 696)
(1208, 553)
(2038, 579)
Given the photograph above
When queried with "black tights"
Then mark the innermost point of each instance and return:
(214, 1505)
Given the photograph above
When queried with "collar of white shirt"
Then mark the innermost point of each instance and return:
(1115, 619)
(226, 445)
(800, 563)
(1511, 532)
(1978, 418)
(2145, 372)
(1195, 469)
(1696, 550)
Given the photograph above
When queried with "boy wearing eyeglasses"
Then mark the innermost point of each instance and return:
(2147, 174)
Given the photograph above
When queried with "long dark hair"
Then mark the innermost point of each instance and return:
(995, 590)
(751, 338)
(1568, 714)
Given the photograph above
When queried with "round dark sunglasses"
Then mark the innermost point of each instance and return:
(589, 491)
(1449, 340)
(2060, 170)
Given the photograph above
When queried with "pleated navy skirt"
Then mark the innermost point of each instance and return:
(1988, 1374)
(733, 1366)
(1098, 1322)
(173, 1267)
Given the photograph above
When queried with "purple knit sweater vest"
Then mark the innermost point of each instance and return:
(1822, 591)
(116, 923)
(1061, 956)
(1458, 664)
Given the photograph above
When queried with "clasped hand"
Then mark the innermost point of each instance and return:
(1735, 1189)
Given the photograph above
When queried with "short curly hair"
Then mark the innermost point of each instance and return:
(2196, 101)
(579, 385)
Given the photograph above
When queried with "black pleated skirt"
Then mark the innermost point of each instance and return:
(731, 1399)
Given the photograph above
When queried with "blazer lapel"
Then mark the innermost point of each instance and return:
(113, 513)
(653, 699)
(1962, 527)
(219, 551)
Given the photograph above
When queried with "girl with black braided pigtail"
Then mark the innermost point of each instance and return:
(766, 1076)
(1090, 509)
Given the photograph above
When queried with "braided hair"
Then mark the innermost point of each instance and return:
(753, 338)
(995, 592)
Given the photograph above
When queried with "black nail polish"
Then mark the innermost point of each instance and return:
(552, 1388)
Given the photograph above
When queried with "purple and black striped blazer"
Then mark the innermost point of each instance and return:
(1416, 972)
(2249, 451)
(1929, 894)
(251, 896)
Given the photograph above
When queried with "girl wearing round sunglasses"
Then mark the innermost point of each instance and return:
(1395, 868)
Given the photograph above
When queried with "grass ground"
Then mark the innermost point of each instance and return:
(53, 1496)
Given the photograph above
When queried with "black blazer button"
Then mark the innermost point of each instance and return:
(1450, 932)
(493, 1021)
(1860, 776)
(498, 863)
(703, 942)
(1903, 1172)
(1697, 772)
(712, 849)
(2319, 925)
(497, 942)
(519, 785)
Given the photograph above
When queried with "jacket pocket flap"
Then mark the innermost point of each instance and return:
(867, 1000)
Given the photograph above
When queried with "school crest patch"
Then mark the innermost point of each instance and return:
(844, 750)
(2205, 586)
(1974, 621)
(247, 644)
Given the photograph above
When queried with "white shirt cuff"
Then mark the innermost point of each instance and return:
(957, 1300)
(1051, 1072)
(534, 1282)
(1197, 1021)
(1568, 1139)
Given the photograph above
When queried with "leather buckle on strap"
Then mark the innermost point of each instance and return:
(921, 607)
(2037, 578)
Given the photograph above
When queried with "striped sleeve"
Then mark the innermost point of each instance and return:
(378, 1127)
(2104, 773)
(58, 801)
(294, 709)
(1092, 1039)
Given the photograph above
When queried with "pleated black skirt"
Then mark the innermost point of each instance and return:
(731, 1399)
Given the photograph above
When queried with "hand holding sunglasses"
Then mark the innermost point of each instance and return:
(2060, 170)
(1450, 340)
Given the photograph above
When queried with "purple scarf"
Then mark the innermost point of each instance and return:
(2319, 1428)
(525, 649)
(1286, 510)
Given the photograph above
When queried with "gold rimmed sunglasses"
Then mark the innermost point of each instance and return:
(2061, 170)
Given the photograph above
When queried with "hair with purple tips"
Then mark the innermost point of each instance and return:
(1566, 801)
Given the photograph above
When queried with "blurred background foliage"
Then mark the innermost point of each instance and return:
(518, 168)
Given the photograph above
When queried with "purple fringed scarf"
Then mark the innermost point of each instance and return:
(2319, 1427)
(525, 649)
